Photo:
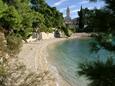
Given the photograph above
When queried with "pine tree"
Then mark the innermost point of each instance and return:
(81, 19)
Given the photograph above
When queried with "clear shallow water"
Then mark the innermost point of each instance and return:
(66, 56)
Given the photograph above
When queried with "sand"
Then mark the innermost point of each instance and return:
(34, 56)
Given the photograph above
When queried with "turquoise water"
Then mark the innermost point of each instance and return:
(66, 56)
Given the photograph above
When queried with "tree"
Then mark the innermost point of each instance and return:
(100, 73)
(81, 19)
(105, 28)
(17, 21)
(14, 73)
(34, 5)
(52, 17)
(3, 7)
(10, 20)
(111, 5)
(97, 19)
(88, 17)
(27, 17)
(66, 31)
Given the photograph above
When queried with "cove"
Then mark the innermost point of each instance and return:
(66, 55)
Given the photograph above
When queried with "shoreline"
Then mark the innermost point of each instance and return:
(34, 56)
(60, 81)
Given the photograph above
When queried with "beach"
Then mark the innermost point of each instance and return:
(34, 56)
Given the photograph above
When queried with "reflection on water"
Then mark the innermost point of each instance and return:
(68, 54)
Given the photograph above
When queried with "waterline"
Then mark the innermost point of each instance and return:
(66, 56)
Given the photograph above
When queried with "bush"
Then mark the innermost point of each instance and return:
(12, 71)
(66, 32)
(73, 30)
(14, 44)
(105, 40)
(45, 29)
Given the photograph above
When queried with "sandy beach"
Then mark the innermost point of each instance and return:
(34, 56)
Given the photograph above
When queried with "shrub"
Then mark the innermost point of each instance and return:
(66, 31)
(14, 44)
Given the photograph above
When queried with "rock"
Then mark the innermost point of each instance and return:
(44, 35)
(31, 39)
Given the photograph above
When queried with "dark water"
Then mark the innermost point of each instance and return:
(68, 54)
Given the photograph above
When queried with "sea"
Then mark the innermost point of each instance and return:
(67, 55)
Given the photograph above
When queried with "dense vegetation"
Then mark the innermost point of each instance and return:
(18, 19)
(99, 21)
(81, 19)
(102, 22)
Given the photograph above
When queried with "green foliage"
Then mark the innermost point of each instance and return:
(93, 20)
(107, 15)
(14, 44)
(38, 20)
(102, 37)
(18, 19)
(101, 73)
(98, 72)
(52, 17)
(3, 7)
(11, 19)
(105, 41)
(22, 16)
(73, 30)
(97, 21)
(81, 19)
(45, 29)
(12, 71)
(66, 31)
(111, 4)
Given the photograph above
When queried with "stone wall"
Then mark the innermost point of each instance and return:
(40, 36)
(44, 35)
